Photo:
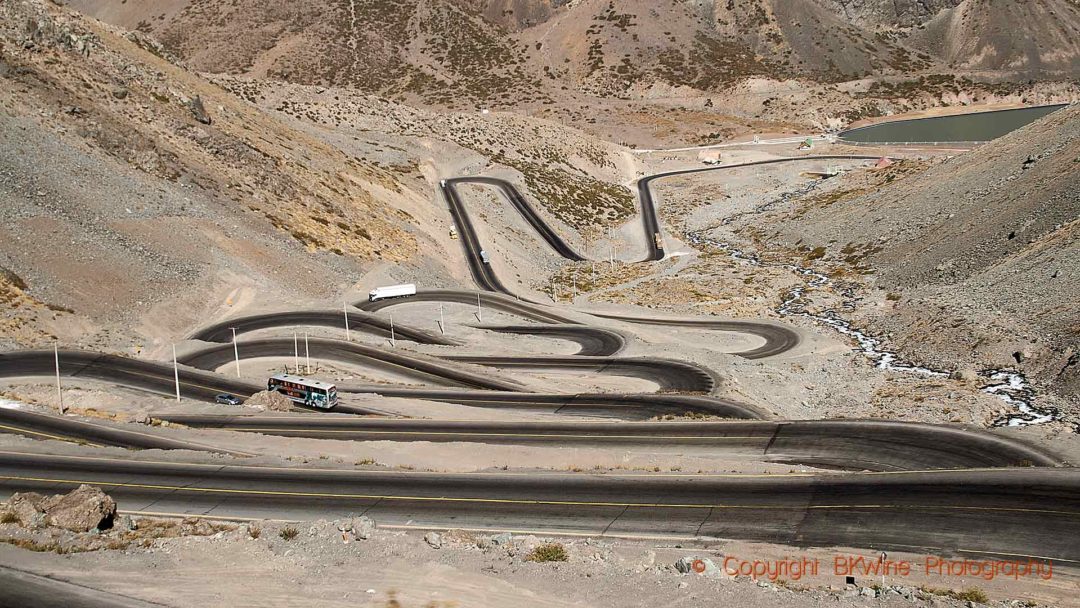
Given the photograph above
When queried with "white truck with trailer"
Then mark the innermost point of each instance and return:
(392, 291)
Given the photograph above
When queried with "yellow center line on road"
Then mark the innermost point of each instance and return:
(559, 422)
(823, 474)
(526, 501)
(23, 431)
(469, 433)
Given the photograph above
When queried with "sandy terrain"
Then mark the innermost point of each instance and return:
(128, 222)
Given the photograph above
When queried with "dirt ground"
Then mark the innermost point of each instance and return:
(274, 563)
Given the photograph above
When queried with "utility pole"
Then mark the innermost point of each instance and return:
(296, 353)
(236, 351)
(307, 354)
(479, 310)
(345, 307)
(393, 339)
(59, 392)
(176, 373)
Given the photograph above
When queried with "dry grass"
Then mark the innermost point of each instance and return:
(971, 594)
(548, 552)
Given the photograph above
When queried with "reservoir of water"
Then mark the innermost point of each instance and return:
(975, 127)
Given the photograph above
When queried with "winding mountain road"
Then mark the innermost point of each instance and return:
(1028, 504)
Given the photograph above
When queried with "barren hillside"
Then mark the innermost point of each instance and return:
(144, 186)
(980, 250)
(514, 52)
(1038, 39)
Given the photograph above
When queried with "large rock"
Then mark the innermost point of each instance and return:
(26, 508)
(434, 539)
(198, 110)
(694, 565)
(270, 400)
(85, 508)
(362, 528)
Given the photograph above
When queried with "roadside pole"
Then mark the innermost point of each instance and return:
(296, 353)
(575, 281)
(554, 296)
(881, 559)
(307, 355)
(393, 340)
(236, 351)
(442, 325)
(345, 307)
(479, 310)
(59, 392)
(176, 373)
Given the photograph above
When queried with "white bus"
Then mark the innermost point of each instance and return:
(312, 393)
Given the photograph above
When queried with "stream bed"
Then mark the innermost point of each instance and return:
(1008, 385)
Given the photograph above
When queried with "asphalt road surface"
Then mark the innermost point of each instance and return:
(851, 444)
(45, 426)
(19, 589)
(204, 386)
(1014, 509)
(778, 338)
(1033, 512)
(358, 321)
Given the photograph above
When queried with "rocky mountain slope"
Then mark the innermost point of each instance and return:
(978, 253)
(1033, 38)
(131, 185)
(513, 52)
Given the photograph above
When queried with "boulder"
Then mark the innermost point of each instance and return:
(125, 523)
(965, 375)
(434, 539)
(84, 509)
(26, 508)
(271, 400)
(502, 539)
(698, 565)
(198, 110)
(362, 527)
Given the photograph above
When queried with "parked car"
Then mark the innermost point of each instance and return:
(227, 399)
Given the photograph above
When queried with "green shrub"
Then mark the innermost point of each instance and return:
(288, 533)
(972, 594)
(548, 552)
